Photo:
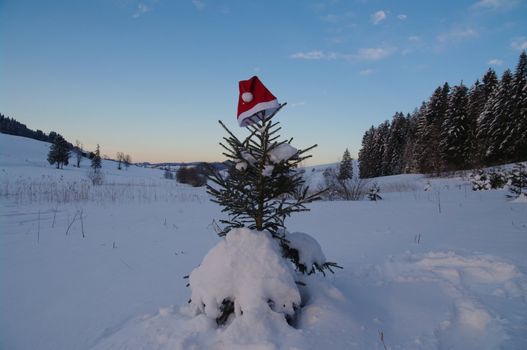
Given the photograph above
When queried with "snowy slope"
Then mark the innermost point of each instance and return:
(441, 269)
(22, 157)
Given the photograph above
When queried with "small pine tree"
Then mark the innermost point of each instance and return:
(59, 153)
(96, 163)
(261, 188)
(346, 166)
(518, 181)
(497, 179)
(480, 180)
(373, 195)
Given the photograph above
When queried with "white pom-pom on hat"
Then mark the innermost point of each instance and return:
(247, 97)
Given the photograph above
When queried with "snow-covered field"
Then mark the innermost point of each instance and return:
(84, 267)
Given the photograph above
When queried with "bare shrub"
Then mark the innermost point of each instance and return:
(96, 176)
(191, 176)
(347, 189)
(168, 174)
(48, 189)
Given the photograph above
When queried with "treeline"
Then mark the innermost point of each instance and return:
(458, 128)
(13, 127)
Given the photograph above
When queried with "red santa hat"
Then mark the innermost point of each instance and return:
(255, 102)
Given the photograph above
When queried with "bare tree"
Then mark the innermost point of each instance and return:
(127, 160)
(120, 159)
(78, 152)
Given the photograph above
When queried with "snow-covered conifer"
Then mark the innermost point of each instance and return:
(475, 103)
(260, 193)
(346, 166)
(428, 157)
(96, 159)
(501, 117)
(483, 128)
(455, 130)
(518, 181)
(365, 154)
(59, 153)
(515, 140)
(253, 271)
(396, 144)
(480, 180)
(380, 138)
(373, 194)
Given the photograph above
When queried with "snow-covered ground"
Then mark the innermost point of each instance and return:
(101, 268)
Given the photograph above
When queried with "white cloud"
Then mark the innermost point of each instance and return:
(367, 71)
(414, 38)
(198, 4)
(495, 4)
(336, 18)
(314, 55)
(141, 10)
(378, 17)
(362, 54)
(519, 44)
(495, 62)
(298, 104)
(402, 17)
(457, 35)
(372, 53)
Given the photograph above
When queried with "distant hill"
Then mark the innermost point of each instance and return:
(216, 165)
(12, 126)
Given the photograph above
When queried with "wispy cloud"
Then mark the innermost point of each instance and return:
(198, 4)
(495, 62)
(414, 38)
(298, 104)
(402, 17)
(362, 54)
(457, 35)
(367, 71)
(141, 10)
(378, 17)
(519, 44)
(314, 55)
(336, 18)
(494, 4)
(373, 53)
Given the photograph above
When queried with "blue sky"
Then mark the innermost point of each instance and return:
(151, 78)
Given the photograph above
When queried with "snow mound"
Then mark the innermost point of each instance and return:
(323, 324)
(309, 251)
(246, 268)
(522, 198)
